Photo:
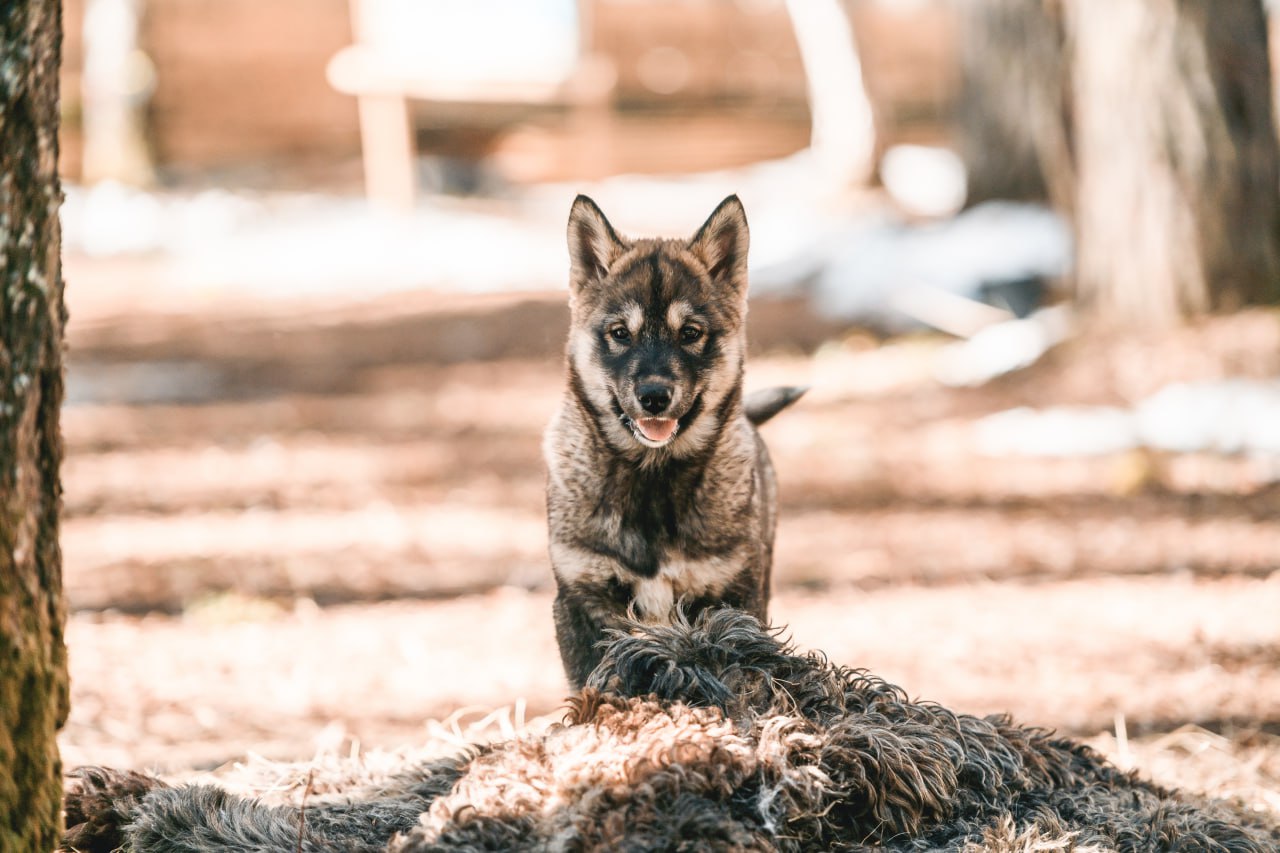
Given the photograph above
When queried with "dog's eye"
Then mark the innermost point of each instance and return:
(620, 334)
(690, 334)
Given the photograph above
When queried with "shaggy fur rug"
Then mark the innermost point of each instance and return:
(713, 735)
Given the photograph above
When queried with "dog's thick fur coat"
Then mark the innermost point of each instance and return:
(660, 493)
(706, 736)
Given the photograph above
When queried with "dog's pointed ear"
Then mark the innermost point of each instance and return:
(593, 244)
(722, 243)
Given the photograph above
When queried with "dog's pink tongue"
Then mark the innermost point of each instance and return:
(657, 429)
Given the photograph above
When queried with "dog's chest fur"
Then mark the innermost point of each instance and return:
(654, 535)
(654, 518)
(674, 539)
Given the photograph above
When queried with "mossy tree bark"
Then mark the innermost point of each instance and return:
(1178, 193)
(33, 667)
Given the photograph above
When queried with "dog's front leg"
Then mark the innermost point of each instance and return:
(578, 633)
(583, 611)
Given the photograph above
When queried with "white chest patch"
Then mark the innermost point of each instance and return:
(656, 597)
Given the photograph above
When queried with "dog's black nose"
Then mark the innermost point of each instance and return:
(653, 397)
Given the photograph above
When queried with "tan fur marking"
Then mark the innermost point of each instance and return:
(582, 348)
(573, 564)
(677, 313)
(698, 577)
(654, 599)
(634, 316)
(657, 597)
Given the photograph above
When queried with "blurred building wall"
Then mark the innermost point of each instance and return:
(238, 80)
(911, 61)
(243, 81)
(668, 50)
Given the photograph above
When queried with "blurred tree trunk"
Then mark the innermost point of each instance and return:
(1178, 196)
(843, 136)
(33, 665)
(1013, 113)
(114, 94)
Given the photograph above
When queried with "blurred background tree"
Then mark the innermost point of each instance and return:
(1176, 207)
(33, 663)
(1013, 131)
(1150, 125)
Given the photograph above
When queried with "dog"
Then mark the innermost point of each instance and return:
(660, 492)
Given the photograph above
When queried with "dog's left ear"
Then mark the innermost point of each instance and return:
(593, 244)
(722, 244)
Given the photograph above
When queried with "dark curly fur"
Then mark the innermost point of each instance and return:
(713, 735)
(99, 804)
(107, 810)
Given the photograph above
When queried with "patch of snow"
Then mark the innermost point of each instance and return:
(924, 180)
(1057, 431)
(1234, 416)
(1002, 348)
(857, 270)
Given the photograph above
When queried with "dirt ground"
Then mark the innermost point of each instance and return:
(309, 529)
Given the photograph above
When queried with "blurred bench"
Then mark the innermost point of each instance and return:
(482, 63)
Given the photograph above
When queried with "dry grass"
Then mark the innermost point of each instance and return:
(341, 764)
(1245, 770)
(348, 461)
(241, 674)
(1243, 767)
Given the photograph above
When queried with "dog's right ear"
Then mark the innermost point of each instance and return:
(593, 244)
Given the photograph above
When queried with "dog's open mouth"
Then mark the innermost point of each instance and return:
(656, 430)
(651, 432)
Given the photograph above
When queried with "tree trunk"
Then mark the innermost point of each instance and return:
(113, 97)
(843, 137)
(1178, 196)
(33, 666)
(1013, 128)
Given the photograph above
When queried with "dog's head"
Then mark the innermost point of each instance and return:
(657, 341)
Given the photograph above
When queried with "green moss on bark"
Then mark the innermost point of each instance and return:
(33, 670)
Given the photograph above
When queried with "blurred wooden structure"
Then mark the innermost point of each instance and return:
(117, 83)
(241, 95)
(388, 67)
(240, 87)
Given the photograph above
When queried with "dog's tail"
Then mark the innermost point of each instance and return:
(760, 406)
